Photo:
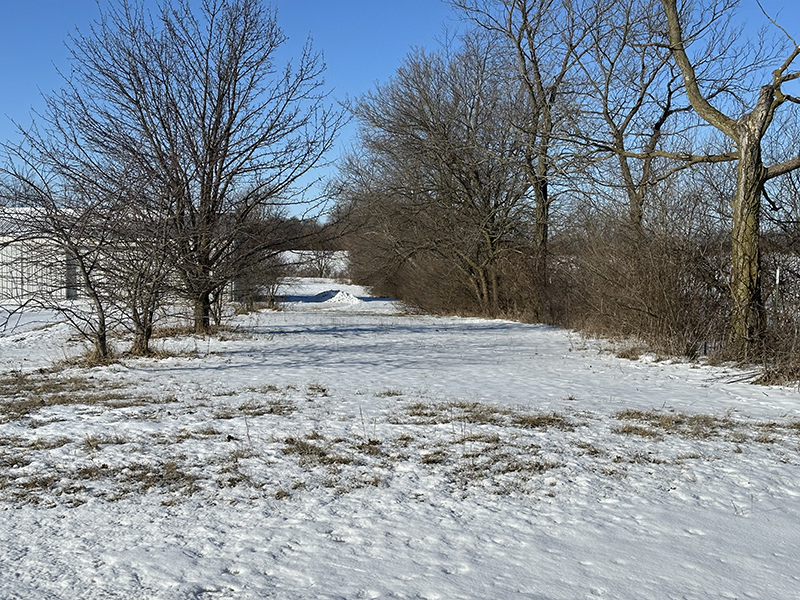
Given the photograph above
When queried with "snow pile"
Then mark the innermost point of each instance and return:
(336, 297)
(327, 453)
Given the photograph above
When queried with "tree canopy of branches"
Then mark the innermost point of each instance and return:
(545, 40)
(650, 107)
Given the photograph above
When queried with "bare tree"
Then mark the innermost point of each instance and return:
(140, 263)
(65, 222)
(439, 174)
(196, 102)
(546, 39)
(631, 102)
(636, 107)
(746, 127)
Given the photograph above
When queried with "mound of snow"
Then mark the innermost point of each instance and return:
(336, 297)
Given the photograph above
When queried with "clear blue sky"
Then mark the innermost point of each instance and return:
(363, 41)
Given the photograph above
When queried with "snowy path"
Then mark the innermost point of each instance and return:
(341, 449)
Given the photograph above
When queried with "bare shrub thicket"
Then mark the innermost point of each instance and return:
(665, 290)
(781, 280)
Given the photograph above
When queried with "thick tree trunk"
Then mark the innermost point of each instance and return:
(495, 290)
(141, 341)
(635, 194)
(202, 313)
(636, 215)
(101, 352)
(484, 292)
(747, 318)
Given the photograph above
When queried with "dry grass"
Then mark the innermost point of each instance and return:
(312, 454)
(175, 331)
(255, 408)
(477, 413)
(22, 395)
(93, 443)
(161, 476)
(640, 430)
(656, 425)
(692, 426)
(318, 390)
(437, 457)
(542, 421)
(280, 407)
(467, 447)
(631, 352)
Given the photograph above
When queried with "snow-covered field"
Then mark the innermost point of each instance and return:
(340, 448)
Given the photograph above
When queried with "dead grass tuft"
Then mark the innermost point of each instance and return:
(311, 454)
(318, 390)
(478, 413)
(641, 431)
(280, 407)
(437, 457)
(370, 447)
(526, 466)
(694, 426)
(161, 476)
(631, 352)
(92, 443)
(542, 421)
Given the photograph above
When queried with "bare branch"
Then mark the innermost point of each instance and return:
(781, 168)
(776, 24)
(699, 102)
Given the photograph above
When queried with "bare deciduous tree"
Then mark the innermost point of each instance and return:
(197, 103)
(631, 104)
(440, 175)
(65, 222)
(546, 39)
(746, 127)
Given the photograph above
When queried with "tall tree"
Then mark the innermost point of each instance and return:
(441, 135)
(546, 39)
(746, 128)
(635, 108)
(197, 103)
(631, 101)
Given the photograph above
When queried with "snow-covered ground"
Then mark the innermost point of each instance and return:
(340, 448)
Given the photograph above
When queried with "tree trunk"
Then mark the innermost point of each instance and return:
(101, 352)
(747, 318)
(101, 346)
(202, 313)
(540, 238)
(495, 290)
(634, 192)
(141, 341)
(483, 291)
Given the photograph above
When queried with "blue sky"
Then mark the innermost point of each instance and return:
(363, 41)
